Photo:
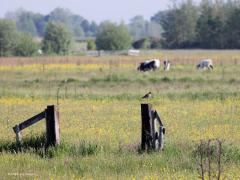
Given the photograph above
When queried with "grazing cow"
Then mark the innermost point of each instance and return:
(205, 63)
(149, 65)
(166, 65)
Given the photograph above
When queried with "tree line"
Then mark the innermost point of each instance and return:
(35, 24)
(57, 40)
(211, 24)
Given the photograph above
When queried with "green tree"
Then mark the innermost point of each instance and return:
(113, 37)
(140, 28)
(210, 26)
(35, 23)
(153, 30)
(233, 30)
(25, 23)
(91, 45)
(60, 15)
(179, 24)
(40, 24)
(93, 29)
(146, 43)
(57, 39)
(70, 20)
(8, 37)
(26, 46)
(137, 27)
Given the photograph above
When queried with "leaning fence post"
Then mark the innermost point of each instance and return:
(52, 126)
(161, 137)
(161, 131)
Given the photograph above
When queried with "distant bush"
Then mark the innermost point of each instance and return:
(8, 37)
(26, 45)
(57, 39)
(113, 37)
(91, 45)
(147, 43)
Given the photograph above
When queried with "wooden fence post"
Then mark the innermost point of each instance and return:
(161, 137)
(52, 126)
(152, 129)
(18, 136)
(154, 134)
(161, 132)
(146, 127)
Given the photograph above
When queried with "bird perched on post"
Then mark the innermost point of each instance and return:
(147, 96)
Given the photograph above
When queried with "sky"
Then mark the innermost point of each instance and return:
(92, 10)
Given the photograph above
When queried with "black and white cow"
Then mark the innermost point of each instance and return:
(149, 65)
(166, 65)
(205, 63)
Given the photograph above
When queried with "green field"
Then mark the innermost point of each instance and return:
(99, 101)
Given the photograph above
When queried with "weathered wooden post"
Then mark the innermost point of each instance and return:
(161, 131)
(18, 136)
(146, 129)
(161, 137)
(154, 132)
(52, 126)
(51, 114)
(152, 129)
(25, 124)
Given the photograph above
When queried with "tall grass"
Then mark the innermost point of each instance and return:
(99, 100)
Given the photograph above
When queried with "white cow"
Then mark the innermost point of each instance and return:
(149, 65)
(166, 65)
(205, 63)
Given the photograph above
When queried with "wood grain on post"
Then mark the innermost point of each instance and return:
(18, 137)
(146, 127)
(153, 129)
(52, 126)
(161, 137)
(31, 121)
(161, 132)
(18, 134)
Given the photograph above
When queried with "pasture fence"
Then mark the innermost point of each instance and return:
(153, 130)
(51, 114)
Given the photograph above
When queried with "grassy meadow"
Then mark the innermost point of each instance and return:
(99, 102)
